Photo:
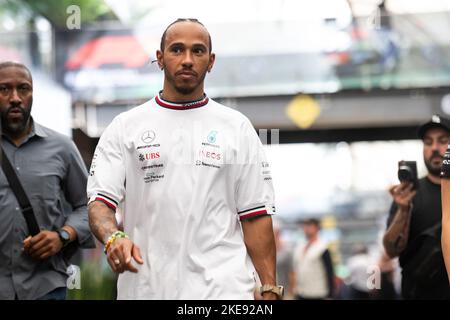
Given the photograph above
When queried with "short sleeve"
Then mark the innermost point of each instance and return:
(106, 181)
(254, 188)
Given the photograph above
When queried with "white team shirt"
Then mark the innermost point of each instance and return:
(311, 276)
(184, 175)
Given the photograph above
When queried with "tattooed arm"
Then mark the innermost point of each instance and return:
(102, 221)
(396, 236)
(103, 224)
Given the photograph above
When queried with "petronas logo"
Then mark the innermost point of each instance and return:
(212, 137)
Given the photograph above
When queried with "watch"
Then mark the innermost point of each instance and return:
(64, 236)
(278, 290)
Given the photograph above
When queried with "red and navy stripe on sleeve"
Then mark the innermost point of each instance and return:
(107, 200)
(257, 211)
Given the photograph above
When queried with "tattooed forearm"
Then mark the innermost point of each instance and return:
(102, 221)
(396, 237)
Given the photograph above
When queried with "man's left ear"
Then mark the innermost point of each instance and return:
(159, 59)
(212, 58)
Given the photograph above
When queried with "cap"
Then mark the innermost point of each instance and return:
(436, 121)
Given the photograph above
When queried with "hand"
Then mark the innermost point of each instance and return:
(269, 296)
(120, 253)
(257, 295)
(403, 194)
(43, 245)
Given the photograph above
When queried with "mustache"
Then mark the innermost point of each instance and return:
(436, 154)
(12, 108)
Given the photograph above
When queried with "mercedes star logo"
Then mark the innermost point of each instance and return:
(148, 136)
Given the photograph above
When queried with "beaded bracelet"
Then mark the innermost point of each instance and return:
(113, 237)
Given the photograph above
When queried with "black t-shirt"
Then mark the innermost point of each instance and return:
(426, 213)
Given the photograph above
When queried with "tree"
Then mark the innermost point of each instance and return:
(55, 11)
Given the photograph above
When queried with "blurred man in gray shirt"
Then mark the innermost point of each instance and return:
(52, 173)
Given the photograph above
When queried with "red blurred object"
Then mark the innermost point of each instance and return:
(339, 57)
(10, 54)
(125, 51)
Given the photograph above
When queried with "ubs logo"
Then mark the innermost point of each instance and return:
(149, 156)
(148, 136)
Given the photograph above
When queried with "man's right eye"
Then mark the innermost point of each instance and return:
(176, 50)
(4, 89)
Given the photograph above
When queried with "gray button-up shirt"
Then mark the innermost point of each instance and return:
(53, 175)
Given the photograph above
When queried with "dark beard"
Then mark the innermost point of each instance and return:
(432, 170)
(185, 90)
(17, 127)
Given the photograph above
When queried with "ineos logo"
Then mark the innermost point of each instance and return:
(148, 136)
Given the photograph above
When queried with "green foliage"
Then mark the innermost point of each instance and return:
(15, 10)
(9, 6)
(97, 283)
(56, 10)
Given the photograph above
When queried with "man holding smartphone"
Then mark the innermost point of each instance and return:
(415, 217)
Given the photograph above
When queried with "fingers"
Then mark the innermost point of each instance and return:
(43, 253)
(113, 261)
(409, 187)
(402, 190)
(410, 196)
(127, 254)
(404, 186)
(111, 265)
(43, 245)
(120, 256)
(403, 194)
(31, 242)
(392, 189)
(129, 266)
(398, 188)
(38, 244)
(119, 261)
(137, 254)
(116, 256)
(27, 243)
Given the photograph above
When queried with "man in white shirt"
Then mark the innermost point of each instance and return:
(191, 178)
(312, 277)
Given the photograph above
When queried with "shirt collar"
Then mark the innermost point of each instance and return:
(181, 106)
(37, 129)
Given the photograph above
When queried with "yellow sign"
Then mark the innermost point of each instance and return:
(328, 222)
(303, 111)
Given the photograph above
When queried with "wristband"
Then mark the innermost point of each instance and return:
(116, 235)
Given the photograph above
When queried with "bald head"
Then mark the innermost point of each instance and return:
(16, 99)
(12, 64)
(179, 20)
